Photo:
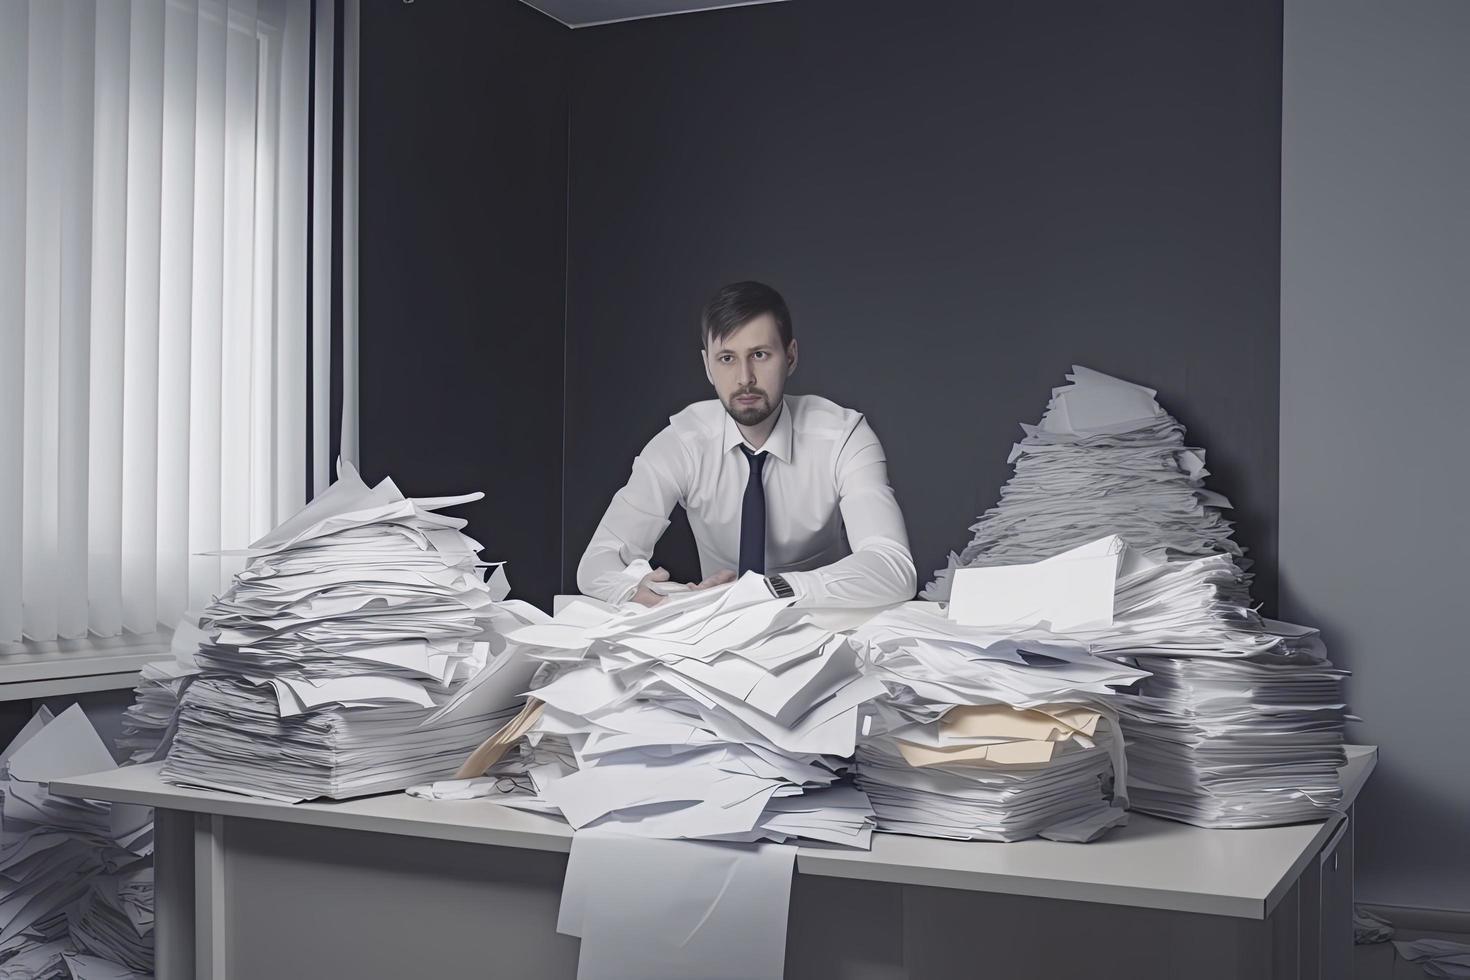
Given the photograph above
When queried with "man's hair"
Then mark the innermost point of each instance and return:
(736, 305)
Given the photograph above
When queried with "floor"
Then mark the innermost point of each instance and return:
(1381, 961)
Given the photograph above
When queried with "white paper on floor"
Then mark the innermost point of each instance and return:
(1369, 928)
(1438, 958)
(649, 909)
(76, 877)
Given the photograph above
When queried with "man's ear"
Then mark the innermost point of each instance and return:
(704, 363)
(791, 358)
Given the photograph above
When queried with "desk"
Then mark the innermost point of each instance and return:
(392, 886)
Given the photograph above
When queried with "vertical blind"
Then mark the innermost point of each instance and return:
(153, 301)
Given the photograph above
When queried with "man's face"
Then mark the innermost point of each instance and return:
(749, 369)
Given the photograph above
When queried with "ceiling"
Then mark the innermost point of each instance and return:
(590, 13)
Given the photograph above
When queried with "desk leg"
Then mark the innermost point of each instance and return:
(173, 898)
(209, 896)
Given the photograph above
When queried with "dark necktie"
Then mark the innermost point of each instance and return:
(753, 517)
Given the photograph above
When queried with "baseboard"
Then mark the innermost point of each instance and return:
(1421, 920)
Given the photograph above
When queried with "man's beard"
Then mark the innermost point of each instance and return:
(750, 414)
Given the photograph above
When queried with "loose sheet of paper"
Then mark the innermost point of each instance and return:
(1071, 591)
(677, 910)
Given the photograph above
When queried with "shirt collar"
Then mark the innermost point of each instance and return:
(778, 443)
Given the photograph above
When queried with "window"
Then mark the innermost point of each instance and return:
(154, 340)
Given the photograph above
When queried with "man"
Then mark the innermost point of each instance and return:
(791, 486)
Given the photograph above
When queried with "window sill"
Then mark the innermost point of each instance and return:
(59, 667)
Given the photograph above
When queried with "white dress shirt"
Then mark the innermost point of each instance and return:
(833, 527)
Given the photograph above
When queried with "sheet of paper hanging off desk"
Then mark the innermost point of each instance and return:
(677, 910)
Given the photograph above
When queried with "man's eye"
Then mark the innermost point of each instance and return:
(726, 358)
(760, 355)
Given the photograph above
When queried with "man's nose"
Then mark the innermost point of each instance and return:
(747, 373)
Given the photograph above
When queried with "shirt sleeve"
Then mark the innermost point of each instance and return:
(880, 570)
(616, 558)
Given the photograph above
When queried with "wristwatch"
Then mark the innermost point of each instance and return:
(780, 588)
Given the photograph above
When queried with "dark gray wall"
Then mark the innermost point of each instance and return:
(959, 200)
(462, 251)
(1375, 345)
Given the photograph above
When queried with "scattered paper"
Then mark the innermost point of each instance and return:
(700, 718)
(1438, 958)
(1369, 928)
(76, 887)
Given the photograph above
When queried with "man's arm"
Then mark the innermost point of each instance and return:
(616, 559)
(880, 570)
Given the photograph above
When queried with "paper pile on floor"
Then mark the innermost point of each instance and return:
(1104, 459)
(1369, 929)
(723, 714)
(76, 888)
(1441, 958)
(337, 663)
(114, 921)
(988, 737)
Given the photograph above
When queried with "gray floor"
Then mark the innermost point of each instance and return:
(1382, 962)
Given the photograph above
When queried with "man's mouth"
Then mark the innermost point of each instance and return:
(744, 399)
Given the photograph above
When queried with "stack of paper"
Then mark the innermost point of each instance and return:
(1240, 721)
(988, 736)
(721, 714)
(148, 724)
(340, 662)
(57, 853)
(231, 737)
(114, 920)
(1105, 459)
(1236, 742)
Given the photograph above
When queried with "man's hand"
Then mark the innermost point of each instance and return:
(718, 578)
(647, 597)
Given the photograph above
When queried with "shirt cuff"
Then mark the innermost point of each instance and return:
(622, 586)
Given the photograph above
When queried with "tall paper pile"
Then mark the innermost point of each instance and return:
(1104, 459)
(1241, 723)
(334, 665)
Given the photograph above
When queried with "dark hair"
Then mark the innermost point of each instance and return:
(736, 305)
